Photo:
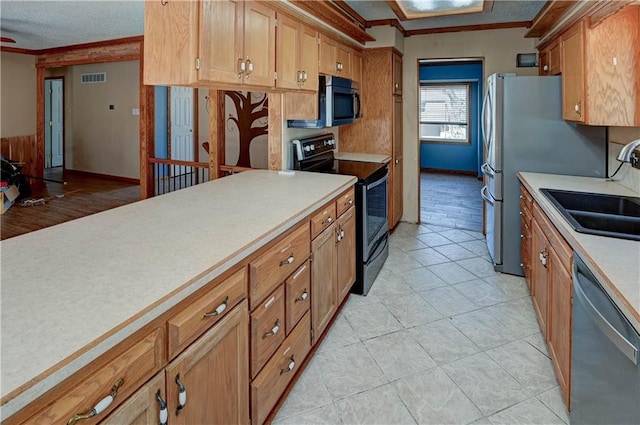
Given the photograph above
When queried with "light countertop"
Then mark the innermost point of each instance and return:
(615, 262)
(364, 157)
(71, 292)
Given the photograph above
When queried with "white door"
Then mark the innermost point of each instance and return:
(54, 123)
(182, 146)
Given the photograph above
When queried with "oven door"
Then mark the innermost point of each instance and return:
(374, 212)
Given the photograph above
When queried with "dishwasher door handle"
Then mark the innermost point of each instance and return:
(629, 350)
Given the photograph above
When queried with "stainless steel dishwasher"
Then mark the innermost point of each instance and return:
(605, 376)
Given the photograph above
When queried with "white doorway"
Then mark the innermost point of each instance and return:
(54, 122)
(181, 127)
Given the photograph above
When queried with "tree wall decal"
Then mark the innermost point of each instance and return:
(251, 120)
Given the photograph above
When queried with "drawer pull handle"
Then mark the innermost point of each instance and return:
(328, 220)
(101, 406)
(543, 257)
(241, 67)
(182, 395)
(273, 331)
(350, 202)
(289, 260)
(164, 412)
(302, 297)
(222, 307)
(249, 67)
(292, 364)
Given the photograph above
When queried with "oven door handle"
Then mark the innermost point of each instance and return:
(378, 183)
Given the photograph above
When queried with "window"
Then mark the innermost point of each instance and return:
(444, 112)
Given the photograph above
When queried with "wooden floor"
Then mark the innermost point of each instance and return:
(81, 196)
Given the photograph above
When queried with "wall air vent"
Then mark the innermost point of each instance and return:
(96, 77)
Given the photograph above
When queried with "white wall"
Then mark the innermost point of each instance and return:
(98, 139)
(18, 94)
(618, 137)
(497, 47)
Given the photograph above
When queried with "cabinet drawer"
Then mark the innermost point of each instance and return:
(193, 321)
(267, 388)
(272, 267)
(323, 219)
(267, 329)
(345, 201)
(297, 290)
(126, 373)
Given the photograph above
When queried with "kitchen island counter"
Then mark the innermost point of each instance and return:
(615, 262)
(73, 291)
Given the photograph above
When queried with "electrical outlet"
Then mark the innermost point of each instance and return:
(635, 159)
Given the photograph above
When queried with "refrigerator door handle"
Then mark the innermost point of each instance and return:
(486, 116)
(484, 192)
(487, 170)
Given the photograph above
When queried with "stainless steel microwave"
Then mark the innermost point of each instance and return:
(338, 104)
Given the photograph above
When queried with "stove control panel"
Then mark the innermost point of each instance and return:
(312, 146)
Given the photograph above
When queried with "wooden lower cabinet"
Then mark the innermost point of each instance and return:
(551, 260)
(323, 277)
(214, 373)
(560, 323)
(540, 276)
(146, 406)
(346, 253)
(268, 387)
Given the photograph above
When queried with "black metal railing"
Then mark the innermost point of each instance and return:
(170, 175)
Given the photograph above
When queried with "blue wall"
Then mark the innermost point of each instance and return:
(161, 122)
(444, 156)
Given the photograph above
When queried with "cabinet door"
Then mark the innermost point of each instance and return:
(613, 71)
(356, 66)
(560, 304)
(543, 62)
(309, 57)
(346, 253)
(214, 374)
(328, 55)
(170, 42)
(323, 281)
(288, 49)
(259, 44)
(343, 57)
(143, 407)
(540, 276)
(555, 59)
(395, 194)
(221, 38)
(397, 74)
(573, 74)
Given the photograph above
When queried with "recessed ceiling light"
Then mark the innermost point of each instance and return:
(414, 9)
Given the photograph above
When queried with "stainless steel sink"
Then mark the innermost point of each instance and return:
(598, 214)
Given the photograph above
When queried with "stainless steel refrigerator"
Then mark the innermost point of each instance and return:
(523, 130)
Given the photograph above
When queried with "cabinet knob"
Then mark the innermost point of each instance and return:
(302, 296)
(289, 260)
(328, 220)
(545, 68)
(577, 108)
(397, 161)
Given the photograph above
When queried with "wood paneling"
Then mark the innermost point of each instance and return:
(108, 52)
(336, 18)
(480, 27)
(21, 149)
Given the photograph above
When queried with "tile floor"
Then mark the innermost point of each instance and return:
(451, 200)
(440, 339)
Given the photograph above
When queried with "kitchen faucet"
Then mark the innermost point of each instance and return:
(626, 155)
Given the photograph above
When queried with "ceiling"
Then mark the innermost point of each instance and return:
(38, 25)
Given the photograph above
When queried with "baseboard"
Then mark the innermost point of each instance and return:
(66, 171)
(460, 172)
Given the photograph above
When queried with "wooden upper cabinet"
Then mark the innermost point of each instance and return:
(613, 70)
(171, 42)
(555, 59)
(213, 41)
(297, 55)
(397, 74)
(573, 97)
(356, 66)
(543, 62)
(601, 70)
(335, 57)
